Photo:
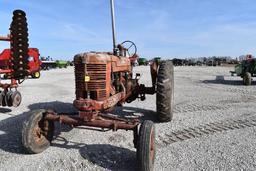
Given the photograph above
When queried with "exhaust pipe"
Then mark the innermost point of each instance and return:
(112, 4)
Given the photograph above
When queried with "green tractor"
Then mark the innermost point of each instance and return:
(61, 64)
(142, 61)
(246, 69)
(158, 59)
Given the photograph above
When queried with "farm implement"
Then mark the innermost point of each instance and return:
(246, 70)
(15, 62)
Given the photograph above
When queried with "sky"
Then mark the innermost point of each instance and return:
(166, 28)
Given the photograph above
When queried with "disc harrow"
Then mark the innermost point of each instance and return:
(19, 45)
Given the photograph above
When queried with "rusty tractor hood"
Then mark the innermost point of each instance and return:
(117, 62)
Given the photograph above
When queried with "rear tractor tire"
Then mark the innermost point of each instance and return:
(247, 79)
(165, 91)
(146, 147)
(37, 133)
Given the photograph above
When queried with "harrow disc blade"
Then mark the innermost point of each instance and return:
(19, 12)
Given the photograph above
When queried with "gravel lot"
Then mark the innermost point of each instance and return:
(203, 95)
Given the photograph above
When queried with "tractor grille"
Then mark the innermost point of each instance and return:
(102, 93)
(96, 87)
(79, 77)
(97, 76)
(96, 67)
(97, 73)
(97, 83)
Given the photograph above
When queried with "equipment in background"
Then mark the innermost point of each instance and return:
(34, 62)
(143, 61)
(246, 70)
(49, 63)
(17, 62)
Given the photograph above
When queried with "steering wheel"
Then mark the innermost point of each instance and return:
(130, 48)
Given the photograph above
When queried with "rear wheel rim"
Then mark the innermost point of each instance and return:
(37, 134)
(41, 132)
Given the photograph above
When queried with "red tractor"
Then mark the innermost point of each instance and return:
(14, 62)
(105, 80)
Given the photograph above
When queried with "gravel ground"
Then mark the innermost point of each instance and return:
(202, 95)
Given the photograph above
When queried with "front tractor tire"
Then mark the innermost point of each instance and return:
(247, 79)
(165, 91)
(146, 147)
(37, 133)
